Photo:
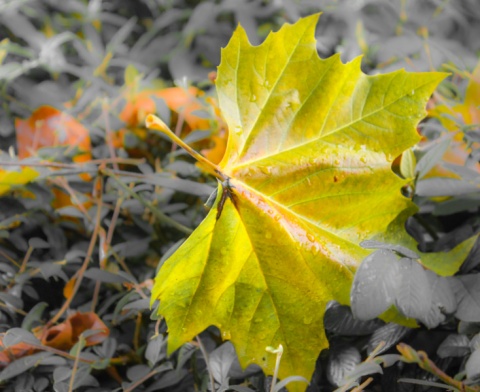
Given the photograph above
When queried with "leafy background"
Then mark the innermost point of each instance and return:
(80, 245)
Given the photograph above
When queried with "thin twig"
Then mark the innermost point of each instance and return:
(157, 326)
(88, 257)
(106, 247)
(141, 380)
(136, 333)
(363, 385)
(102, 262)
(113, 222)
(63, 183)
(22, 268)
(75, 366)
(13, 261)
(41, 347)
(78, 166)
(178, 129)
(160, 215)
(108, 131)
(16, 310)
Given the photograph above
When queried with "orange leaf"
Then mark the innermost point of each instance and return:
(216, 153)
(452, 117)
(64, 336)
(179, 100)
(68, 289)
(13, 352)
(50, 127)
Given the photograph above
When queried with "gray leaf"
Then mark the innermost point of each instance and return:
(374, 285)
(467, 293)
(339, 319)
(390, 334)
(472, 366)
(455, 345)
(413, 296)
(221, 360)
(342, 361)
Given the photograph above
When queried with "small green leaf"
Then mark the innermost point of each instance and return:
(372, 244)
(407, 164)
(101, 364)
(131, 75)
(448, 263)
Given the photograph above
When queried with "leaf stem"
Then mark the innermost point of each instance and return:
(410, 355)
(154, 123)
(279, 352)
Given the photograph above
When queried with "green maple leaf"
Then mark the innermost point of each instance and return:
(309, 166)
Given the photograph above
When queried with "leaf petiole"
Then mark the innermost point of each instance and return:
(154, 123)
(226, 193)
